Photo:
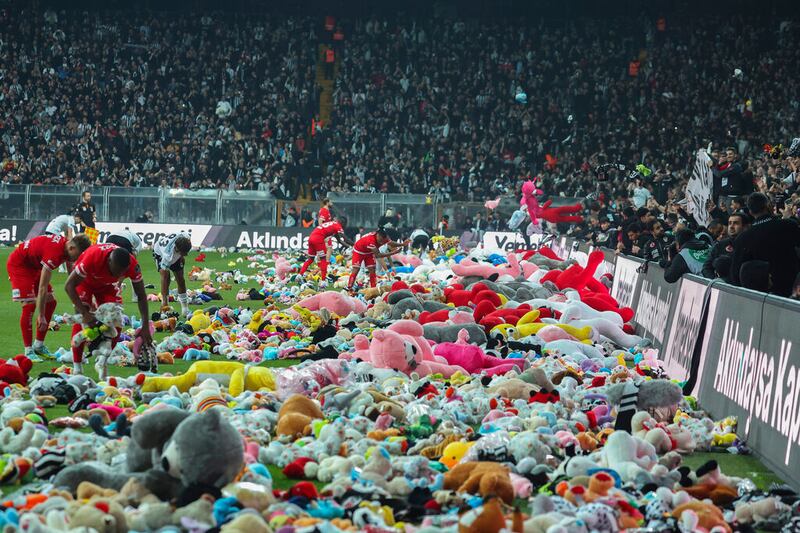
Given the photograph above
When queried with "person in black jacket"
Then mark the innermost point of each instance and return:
(769, 245)
(718, 264)
(656, 247)
(86, 210)
(692, 254)
(732, 178)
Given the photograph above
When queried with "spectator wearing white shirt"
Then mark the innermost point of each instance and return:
(169, 253)
(640, 194)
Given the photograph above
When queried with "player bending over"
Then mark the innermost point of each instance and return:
(30, 268)
(95, 281)
(366, 250)
(169, 253)
(63, 225)
(317, 249)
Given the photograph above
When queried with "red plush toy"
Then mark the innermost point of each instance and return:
(561, 213)
(15, 370)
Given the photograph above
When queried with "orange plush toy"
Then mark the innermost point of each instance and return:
(481, 477)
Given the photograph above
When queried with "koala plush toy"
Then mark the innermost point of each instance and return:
(174, 453)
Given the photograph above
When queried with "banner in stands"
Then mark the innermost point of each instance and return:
(751, 370)
(13, 231)
(654, 305)
(626, 282)
(150, 233)
(684, 325)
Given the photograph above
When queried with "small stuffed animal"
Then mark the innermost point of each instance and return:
(631, 397)
(481, 477)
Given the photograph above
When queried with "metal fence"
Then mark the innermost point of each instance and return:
(212, 206)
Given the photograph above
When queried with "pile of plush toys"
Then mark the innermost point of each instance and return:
(468, 393)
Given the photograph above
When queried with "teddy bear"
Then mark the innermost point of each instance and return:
(174, 453)
(481, 477)
(755, 511)
(390, 349)
(100, 514)
(696, 513)
(102, 337)
(296, 415)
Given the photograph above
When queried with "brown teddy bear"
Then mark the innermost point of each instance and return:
(99, 514)
(485, 478)
(296, 415)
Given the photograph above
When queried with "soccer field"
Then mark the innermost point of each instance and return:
(10, 338)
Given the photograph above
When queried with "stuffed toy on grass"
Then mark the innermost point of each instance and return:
(103, 337)
(174, 453)
(473, 358)
(335, 302)
(236, 376)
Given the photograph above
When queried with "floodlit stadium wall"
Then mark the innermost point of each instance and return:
(735, 350)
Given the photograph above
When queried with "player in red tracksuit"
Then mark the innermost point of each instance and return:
(324, 214)
(317, 249)
(30, 268)
(95, 281)
(366, 250)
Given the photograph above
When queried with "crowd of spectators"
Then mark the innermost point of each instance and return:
(131, 99)
(457, 109)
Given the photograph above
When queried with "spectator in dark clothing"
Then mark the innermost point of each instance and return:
(718, 264)
(730, 178)
(656, 246)
(691, 256)
(86, 210)
(607, 237)
(630, 241)
(770, 240)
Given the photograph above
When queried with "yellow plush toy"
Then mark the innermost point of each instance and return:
(454, 452)
(199, 321)
(236, 376)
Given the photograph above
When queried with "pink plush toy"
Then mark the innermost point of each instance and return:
(473, 359)
(308, 378)
(335, 302)
(467, 267)
(528, 200)
(415, 334)
(407, 259)
(390, 349)
(282, 266)
(137, 344)
(360, 349)
(554, 333)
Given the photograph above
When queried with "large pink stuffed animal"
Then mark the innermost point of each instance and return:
(473, 359)
(468, 267)
(390, 349)
(335, 302)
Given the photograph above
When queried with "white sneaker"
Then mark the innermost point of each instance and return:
(77, 369)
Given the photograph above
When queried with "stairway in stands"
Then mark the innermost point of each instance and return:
(326, 85)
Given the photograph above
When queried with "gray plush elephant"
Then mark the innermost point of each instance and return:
(171, 452)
